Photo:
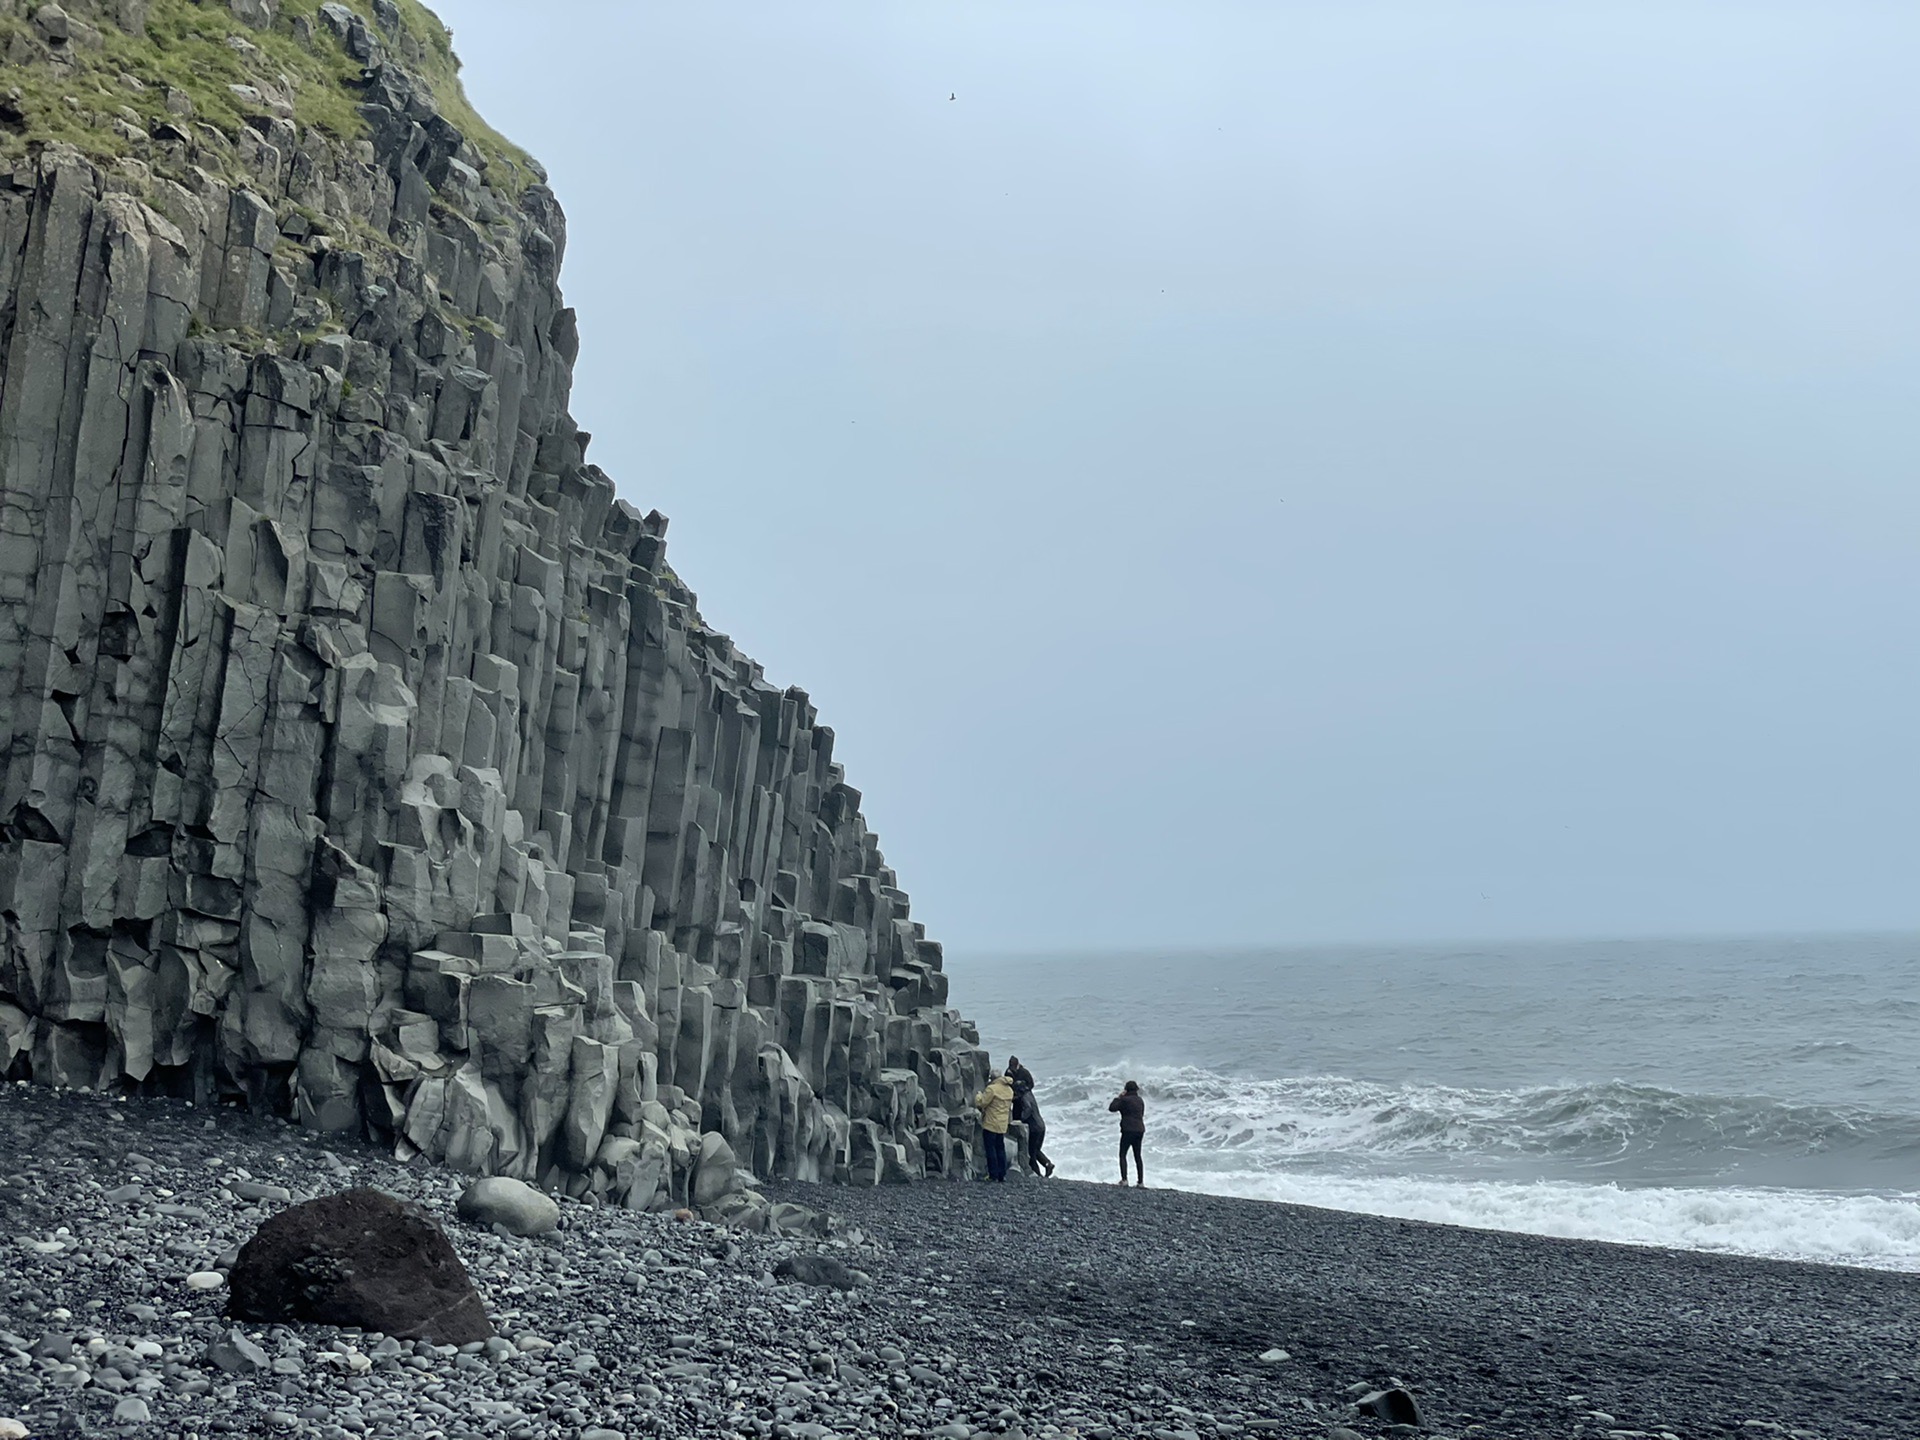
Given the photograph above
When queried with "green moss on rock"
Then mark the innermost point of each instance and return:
(508, 166)
(106, 90)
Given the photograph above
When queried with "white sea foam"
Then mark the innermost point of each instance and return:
(1882, 1232)
(1477, 1158)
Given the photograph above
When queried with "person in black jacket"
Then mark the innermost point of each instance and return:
(1021, 1076)
(1131, 1107)
(1036, 1124)
(1026, 1109)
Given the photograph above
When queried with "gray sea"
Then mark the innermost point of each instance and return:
(1755, 1095)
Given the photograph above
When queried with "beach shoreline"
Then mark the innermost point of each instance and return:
(1496, 1332)
(1030, 1309)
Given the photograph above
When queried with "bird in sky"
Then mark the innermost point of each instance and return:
(954, 96)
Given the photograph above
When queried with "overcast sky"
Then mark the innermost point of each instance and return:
(1282, 472)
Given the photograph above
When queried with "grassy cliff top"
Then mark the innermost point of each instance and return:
(83, 80)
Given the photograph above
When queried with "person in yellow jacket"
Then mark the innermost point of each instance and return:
(995, 1104)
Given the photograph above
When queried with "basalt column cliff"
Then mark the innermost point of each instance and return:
(364, 760)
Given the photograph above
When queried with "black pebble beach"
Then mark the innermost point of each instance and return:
(1027, 1309)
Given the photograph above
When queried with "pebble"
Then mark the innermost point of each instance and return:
(238, 1355)
(256, 1190)
(206, 1280)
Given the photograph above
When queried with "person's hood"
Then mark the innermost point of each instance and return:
(1000, 1082)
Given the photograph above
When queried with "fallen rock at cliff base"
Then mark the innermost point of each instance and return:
(716, 1172)
(513, 1205)
(360, 1258)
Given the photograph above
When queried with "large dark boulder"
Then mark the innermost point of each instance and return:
(358, 1258)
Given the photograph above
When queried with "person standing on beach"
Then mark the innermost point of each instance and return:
(1026, 1109)
(995, 1104)
(1131, 1107)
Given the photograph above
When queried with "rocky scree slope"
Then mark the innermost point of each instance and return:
(364, 762)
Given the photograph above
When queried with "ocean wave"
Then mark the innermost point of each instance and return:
(1613, 1123)
(1547, 1160)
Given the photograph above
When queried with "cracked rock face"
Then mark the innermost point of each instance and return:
(364, 761)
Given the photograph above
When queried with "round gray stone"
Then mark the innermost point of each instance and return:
(513, 1205)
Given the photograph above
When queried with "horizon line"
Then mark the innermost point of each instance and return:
(1259, 947)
